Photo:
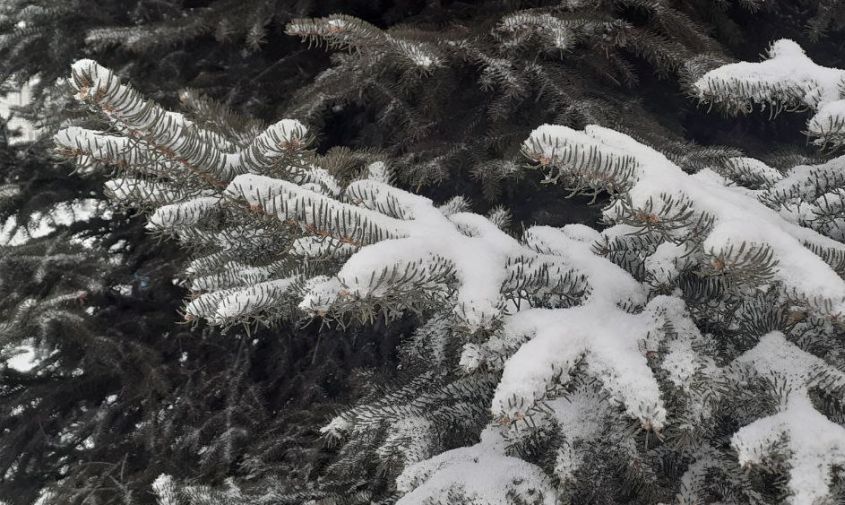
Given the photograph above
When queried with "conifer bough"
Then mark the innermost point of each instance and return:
(787, 80)
(580, 329)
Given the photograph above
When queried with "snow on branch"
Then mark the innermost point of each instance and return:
(406, 244)
(273, 235)
(813, 196)
(556, 32)
(178, 171)
(723, 229)
(786, 80)
(611, 342)
(482, 473)
(698, 235)
(815, 445)
(541, 346)
(151, 132)
(347, 32)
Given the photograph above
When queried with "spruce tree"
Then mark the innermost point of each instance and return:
(675, 341)
(96, 301)
(695, 335)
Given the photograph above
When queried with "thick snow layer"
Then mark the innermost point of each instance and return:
(737, 218)
(572, 245)
(815, 444)
(548, 343)
(788, 78)
(402, 236)
(604, 336)
(828, 120)
(482, 473)
(787, 67)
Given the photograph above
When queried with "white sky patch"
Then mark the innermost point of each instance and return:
(63, 214)
(28, 131)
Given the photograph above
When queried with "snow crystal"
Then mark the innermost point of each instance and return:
(337, 427)
(411, 436)
(580, 417)
(378, 172)
(664, 263)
